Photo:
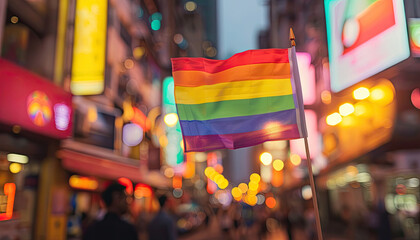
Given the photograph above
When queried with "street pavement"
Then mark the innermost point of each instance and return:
(213, 231)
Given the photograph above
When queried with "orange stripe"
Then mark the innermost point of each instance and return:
(240, 73)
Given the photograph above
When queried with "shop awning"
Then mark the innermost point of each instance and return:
(92, 162)
(33, 103)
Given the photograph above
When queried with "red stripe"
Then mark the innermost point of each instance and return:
(238, 140)
(239, 59)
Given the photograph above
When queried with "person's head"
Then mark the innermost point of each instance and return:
(162, 201)
(115, 198)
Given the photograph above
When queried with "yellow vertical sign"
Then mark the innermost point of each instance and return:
(88, 67)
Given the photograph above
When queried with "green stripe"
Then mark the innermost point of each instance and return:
(235, 108)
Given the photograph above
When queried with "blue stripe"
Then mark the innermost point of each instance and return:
(237, 124)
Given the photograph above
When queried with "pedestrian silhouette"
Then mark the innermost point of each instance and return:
(162, 226)
(112, 226)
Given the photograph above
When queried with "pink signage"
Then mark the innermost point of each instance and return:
(33, 103)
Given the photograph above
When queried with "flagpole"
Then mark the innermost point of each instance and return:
(312, 183)
(309, 165)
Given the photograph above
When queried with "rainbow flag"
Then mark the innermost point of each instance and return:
(252, 97)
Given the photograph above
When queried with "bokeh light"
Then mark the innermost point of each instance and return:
(270, 202)
(415, 98)
(236, 192)
(132, 134)
(266, 158)
(171, 119)
(278, 165)
(346, 109)
(252, 186)
(295, 159)
(177, 192)
(306, 192)
(255, 177)
(382, 94)
(138, 52)
(14, 19)
(361, 93)
(169, 172)
(326, 97)
(334, 119)
(243, 187)
(15, 167)
(190, 6)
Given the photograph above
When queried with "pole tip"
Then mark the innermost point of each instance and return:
(292, 37)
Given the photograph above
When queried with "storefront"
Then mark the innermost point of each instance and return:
(34, 115)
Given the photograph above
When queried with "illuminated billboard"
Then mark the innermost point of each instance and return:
(414, 28)
(364, 38)
(88, 66)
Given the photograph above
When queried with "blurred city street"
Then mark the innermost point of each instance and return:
(209, 119)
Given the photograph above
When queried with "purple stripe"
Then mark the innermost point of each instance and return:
(235, 125)
(239, 140)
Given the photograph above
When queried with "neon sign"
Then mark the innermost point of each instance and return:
(364, 38)
(6, 210)
(39, 108)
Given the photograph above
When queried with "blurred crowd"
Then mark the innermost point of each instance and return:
(177, 218)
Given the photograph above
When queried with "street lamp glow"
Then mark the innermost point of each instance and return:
(266, 158)
(278, 165)
(171, 119)
(334, 119)
(346, 109)
(361, 93)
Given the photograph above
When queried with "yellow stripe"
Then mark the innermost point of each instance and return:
(233, 91)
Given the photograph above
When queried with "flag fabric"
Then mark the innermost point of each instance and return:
(252, 97)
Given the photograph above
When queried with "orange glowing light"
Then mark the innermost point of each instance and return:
(140, 119)
(326, 97)
(236, 192)
(277, 178)
(218, 168)
(142, 190)
(270, 202)
(189, 165)
(86, 183)
(251, 199)
(9, 190)
(177, 181)
(383, 93)
(127, 183)
(243, 187)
